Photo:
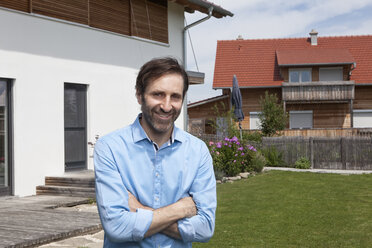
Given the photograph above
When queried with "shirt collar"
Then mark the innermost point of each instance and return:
(140, 134)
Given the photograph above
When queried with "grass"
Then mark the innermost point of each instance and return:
(294, 209)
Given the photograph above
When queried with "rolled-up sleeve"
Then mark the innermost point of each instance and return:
(119, 223)
(200, 228)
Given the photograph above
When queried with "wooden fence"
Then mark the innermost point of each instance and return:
(344, 153)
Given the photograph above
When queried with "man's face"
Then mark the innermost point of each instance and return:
(161, 104)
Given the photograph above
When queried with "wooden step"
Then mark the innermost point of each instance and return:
(66, 191)
(70, 182)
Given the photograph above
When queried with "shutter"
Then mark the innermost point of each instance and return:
(158, 22)
(150, 20)
(20, 5)
(111, 15)
(70, 10)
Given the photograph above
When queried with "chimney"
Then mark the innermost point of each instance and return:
(314, 37)
(240, 37)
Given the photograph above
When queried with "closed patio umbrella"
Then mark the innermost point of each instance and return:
(236, 101)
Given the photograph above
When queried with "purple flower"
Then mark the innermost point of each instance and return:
(243, 154)
(234, 161)
(240, 148)
(234, 139)
(229, 145)
(218, 145)
(238, 143)
(227, 139)
(252, 148)
(236, 154)
(225, 144)
(218, 153)
(211, 143)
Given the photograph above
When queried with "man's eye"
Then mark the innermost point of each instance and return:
(176, 97)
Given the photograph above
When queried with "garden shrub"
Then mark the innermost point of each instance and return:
(303, 163)
(274, 158)
(231, 156)
(258, 162)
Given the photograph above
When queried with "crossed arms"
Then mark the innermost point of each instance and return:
(165, 219)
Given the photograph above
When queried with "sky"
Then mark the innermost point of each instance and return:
(260, 19)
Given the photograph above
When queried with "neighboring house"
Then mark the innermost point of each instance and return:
(324, 82)
(67, 74)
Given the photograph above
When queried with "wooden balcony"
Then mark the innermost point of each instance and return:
(335, 91)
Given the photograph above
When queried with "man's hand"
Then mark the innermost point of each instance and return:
(134, 203)
(165, 218)
(187, 204)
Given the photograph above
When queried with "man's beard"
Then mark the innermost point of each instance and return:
(157, 124)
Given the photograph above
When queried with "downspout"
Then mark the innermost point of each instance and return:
(210, 11)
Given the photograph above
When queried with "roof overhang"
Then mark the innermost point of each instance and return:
(195, 77)
(212, 99)
(250, 87)
(313, 57)
(203, 6)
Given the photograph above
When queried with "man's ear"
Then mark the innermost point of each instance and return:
(139, 98)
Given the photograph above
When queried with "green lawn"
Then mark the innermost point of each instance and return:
(294, 209)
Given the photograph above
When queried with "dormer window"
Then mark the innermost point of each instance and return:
(299, 75)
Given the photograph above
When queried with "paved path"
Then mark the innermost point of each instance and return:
(344, 172)
(36, 220)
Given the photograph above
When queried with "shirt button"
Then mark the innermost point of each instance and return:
(157, 174)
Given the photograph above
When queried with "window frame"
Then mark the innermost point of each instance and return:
(301, 112)
(332, 68)
(258, 124)
(300, 77)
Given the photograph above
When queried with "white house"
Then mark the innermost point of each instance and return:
(67, 74)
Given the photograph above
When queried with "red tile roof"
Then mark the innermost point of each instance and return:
(321, 56)
(255, 63)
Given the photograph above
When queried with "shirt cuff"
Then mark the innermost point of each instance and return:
(142, 224)
(186, 229)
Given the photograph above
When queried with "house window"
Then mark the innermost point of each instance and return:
(5, 138)
(75, 110)
(254, 121)
(299, 75)
(300, 119)
(362, 118)
(330, 74)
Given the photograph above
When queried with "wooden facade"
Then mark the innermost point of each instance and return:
(329, 118)
(142, 18)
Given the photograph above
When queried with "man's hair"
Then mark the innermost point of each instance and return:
(156, 68)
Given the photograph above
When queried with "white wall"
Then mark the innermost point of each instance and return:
(42, 54)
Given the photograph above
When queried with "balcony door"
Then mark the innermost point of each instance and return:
(75, 102)
(5, 139)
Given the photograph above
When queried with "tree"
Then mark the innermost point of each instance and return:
(272, 117)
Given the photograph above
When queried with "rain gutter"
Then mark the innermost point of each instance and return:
(210, 11)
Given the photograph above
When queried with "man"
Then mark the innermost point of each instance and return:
(155, 184)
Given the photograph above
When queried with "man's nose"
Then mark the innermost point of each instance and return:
(166, 105)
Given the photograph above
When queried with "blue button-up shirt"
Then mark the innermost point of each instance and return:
(125, 160)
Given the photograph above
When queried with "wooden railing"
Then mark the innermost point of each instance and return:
(318, 91)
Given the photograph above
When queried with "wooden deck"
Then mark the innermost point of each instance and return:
(36, 220)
